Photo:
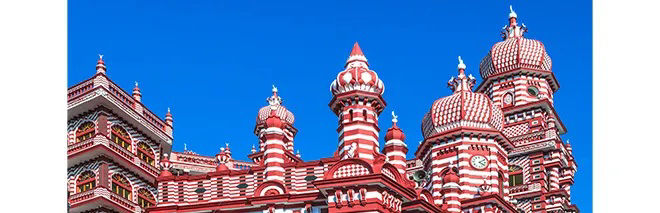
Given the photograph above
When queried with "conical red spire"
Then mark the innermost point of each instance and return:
(356, 55)
(356, 50)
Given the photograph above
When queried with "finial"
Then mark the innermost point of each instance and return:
(136, 84)
(253, 150)
(100, 65)
(298, 153)
(512, 14)
(274, 99)
(394, 118)
(568, 141)
(100, 56)
(185, 147)
(461, 65)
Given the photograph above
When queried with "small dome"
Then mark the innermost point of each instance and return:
(357, 76)
(462, 109)
(515, 52)
(394, 132)
(275, 104)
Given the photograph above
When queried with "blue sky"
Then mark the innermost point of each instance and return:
(213, 62)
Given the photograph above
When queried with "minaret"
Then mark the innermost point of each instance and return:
(395, 149)
(224, 159)
(169, 121)
(165, 166)
(136, 93)
(275, 130)
(100, 65)
(357, 101)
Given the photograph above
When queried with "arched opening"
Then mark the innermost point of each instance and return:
(507, 99)
(515, 176)
(86, 181)
(85, 131)
(145, 153)
(350, 113)
(121, 186)
(500, 183)
(533, 91)
(145, 198)
(364, 114)
(121, 137)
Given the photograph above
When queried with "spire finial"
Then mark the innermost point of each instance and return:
(512, 14)
(356, 56)
(100, 65)
(274, 99)
(461, 65)
(461, 82)
(168, 110)
(136, 84)
(394, 118)
(185, 147)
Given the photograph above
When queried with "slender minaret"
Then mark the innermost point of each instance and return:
(357, 101)
(169, 121)
(275, 130)
(395, 149)
(136, 93)
(100, 65)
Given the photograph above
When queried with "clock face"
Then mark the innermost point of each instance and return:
(479, 162)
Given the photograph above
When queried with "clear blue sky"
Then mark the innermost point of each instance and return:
(213, 62)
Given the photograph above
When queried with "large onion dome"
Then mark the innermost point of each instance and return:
(357, 76)
(515, 52)
(463, 109)
(275, 105)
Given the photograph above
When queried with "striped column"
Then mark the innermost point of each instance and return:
(554, 178)
(274, 148)
(451, 191)
(395, 149)
(358, 131)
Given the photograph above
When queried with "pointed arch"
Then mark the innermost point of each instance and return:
(122, 186)
(145, 198)
(86, 181)
(85, 131)
(515, 175)
(146, 153)
(121, 137)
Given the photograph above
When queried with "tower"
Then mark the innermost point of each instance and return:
(357, 101)
(464, 128)
(114, 146)
(518, 77)
(395, 148)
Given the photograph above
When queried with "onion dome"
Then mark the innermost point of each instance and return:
(515, 52)
(275, 107)
(463, 109)
(394, 132)
(357, 76)
(100, 65)
(165, 166)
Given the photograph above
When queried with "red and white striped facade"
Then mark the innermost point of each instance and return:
(496, 148)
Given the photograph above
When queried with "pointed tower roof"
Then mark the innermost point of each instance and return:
(356, 55)
(100, 65)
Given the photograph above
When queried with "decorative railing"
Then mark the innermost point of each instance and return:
(75, 147)
(123, 97)
(152, 119)
(242, 165)
(524, 188)
(80, 89)
(122, 201)
(82, 196)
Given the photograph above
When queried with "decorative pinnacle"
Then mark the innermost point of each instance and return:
(136, 84)
(274, 99)
(512, 14)
(461, 65)
(355, 56)
(461, 82)
(394, 118)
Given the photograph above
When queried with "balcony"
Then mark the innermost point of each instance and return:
(100, 196)
(100, 144)
(523, 189)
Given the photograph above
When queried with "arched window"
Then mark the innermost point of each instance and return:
(533, 91)
(350, 113)
(145, 198)
(121, 186)
(507, 99)
(500, 183)
(85, 131)
(145, 153)
(121, 137)
(364, 114)
(86, 181)
(515, 176)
